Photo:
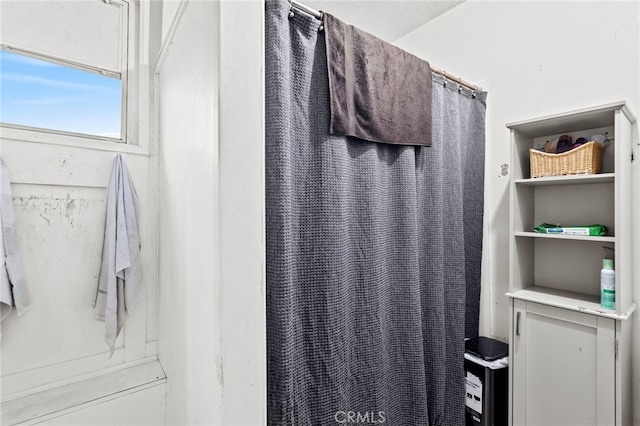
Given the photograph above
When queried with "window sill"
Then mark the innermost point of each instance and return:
(72, 140)
(106, 386)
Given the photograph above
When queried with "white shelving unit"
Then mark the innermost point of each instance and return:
(570, 358)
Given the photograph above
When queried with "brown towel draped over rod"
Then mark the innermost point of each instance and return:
(318, 15)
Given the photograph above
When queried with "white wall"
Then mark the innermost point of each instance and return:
(534, 59)
(58, 185)
(187, 87)
(210, 177)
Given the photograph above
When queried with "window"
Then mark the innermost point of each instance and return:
(70, 78)
(46, 95)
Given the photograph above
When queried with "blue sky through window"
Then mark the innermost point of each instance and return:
(42, 94)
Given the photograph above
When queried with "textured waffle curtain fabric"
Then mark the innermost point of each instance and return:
(373, 250)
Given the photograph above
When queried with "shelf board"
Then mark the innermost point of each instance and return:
(605, 239)
(569, 300)
(568, 180)
(568, 122)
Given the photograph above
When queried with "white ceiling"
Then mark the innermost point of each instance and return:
(389, 20)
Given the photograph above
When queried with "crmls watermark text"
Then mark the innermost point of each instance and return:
(357, 417)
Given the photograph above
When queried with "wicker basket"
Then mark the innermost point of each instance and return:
(584, 160)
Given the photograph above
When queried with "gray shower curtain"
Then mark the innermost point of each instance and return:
(373, 250)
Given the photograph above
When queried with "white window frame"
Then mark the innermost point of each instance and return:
(130, 77)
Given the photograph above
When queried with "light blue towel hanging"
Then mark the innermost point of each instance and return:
(113, 295)
(12, 289)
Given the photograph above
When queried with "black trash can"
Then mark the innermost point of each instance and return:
(487, 376)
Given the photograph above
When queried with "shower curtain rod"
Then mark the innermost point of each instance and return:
(318, 15)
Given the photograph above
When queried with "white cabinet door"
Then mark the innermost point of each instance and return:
(563, 367)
